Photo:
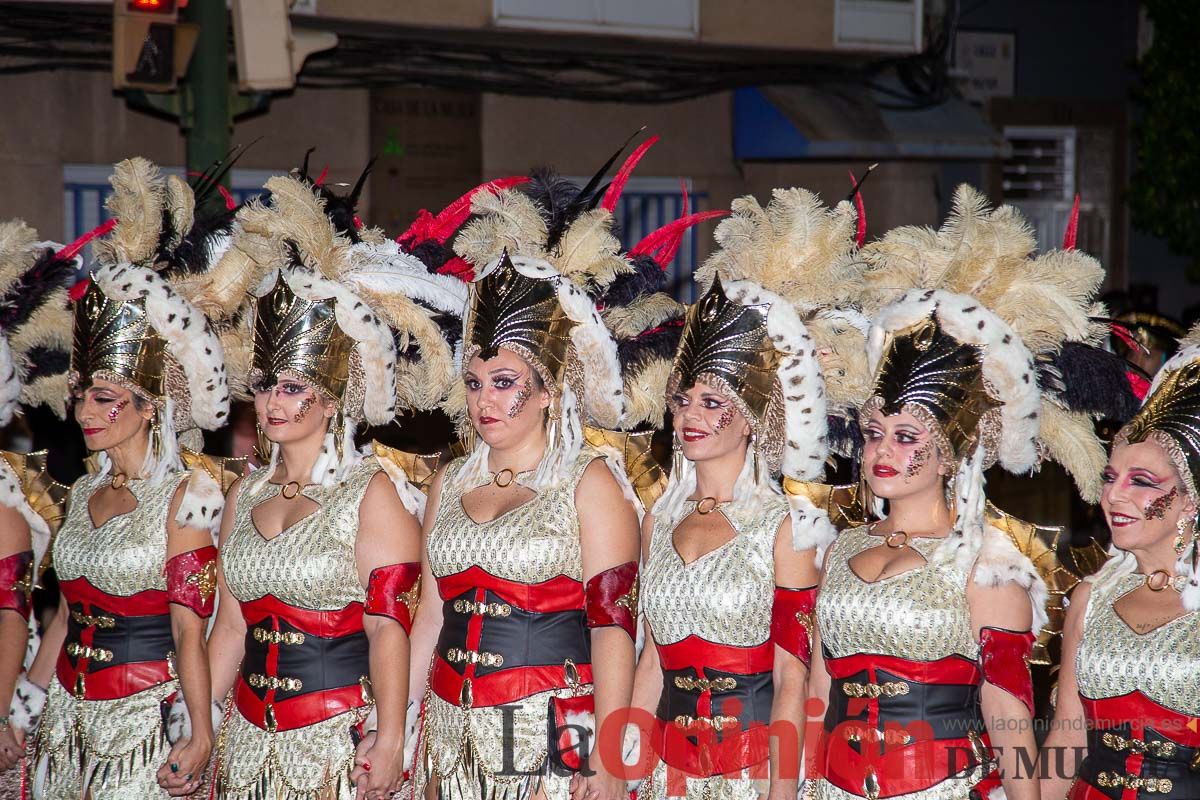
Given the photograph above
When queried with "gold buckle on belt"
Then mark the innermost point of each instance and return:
(463, 606)
(89, 621)
(875, 690)
(266, 636)
(457, 656)
(716, 722)
(77, 650)
(259, 681)
(690, 684)
(1115, 780)
(1158, 749)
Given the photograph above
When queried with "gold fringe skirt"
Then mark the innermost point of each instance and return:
(309, 763)
(100, 749)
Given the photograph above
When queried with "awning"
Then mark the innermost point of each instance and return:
(784, 123)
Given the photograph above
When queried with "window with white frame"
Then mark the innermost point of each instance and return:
(879, 24)
(660, 18)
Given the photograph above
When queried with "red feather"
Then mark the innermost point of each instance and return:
(230, 203)
(72, 250)
(664, 243)
(1072, 231)
(77, 291)
(459, 268)
(440, 228)
(860, 233)
(618, 184)
(321, 177)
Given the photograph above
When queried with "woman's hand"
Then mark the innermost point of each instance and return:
(378, 768)
(184, 771)
(10, 749)
(600, 785)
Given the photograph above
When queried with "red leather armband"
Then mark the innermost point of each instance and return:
(792, 621)
(16, 582)
(611, 598)
(1004, 659)
(392, 591)
(192, 580)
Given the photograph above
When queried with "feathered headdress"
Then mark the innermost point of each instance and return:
(972, 334)
(784, 267)
(542, 257)
(139, 323)
(35, 321)
(807, 254)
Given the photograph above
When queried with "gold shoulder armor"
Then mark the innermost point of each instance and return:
(645, 473)
(46, 496)
(1061, 566)
(843, 504)
(222, 469)
(418, 469)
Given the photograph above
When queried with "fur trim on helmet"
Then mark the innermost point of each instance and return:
(374, 344)
(189, 337)
(799, 374)
(1008, 366)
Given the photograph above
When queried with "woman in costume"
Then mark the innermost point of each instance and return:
(729, 567)
(319, 549)
(926, 617)
(134, 556)
(34, 350)
(1127, 692)
(530, 541)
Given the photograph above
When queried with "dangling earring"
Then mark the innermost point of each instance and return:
(1183, 526)
(262, 445)
(156, 445)
(338, 426)
(754, 446)
(676, 456)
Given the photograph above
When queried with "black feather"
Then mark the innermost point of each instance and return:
(844, 435)
(1095, 381)
(646, 278)
(634, 353)
(432, 253)
(46, 362)
(30, 291)
(555, 197)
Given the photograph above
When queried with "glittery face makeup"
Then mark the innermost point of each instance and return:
(524, 392)
(116, 410)
(725, 420)
(920, 458)
(305, 405)
(1157, 508)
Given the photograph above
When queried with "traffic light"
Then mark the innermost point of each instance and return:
(269, 53)
(151, 48)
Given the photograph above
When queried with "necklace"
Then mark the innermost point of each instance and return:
(119, 480)
(1158, 580)
(290, 490)
(896, 539)
(707, 505)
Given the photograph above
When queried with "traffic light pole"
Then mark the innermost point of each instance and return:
(206, 121)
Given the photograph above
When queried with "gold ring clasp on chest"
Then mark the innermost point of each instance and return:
(896, 539)
(1158, 580)
(504, 478)
(290, 490)
(119, 480)
(707, 505)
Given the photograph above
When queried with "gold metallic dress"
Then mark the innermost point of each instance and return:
(111, 576)
(297, 590)
(485, 726)
(894, 647)
(711, 619)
